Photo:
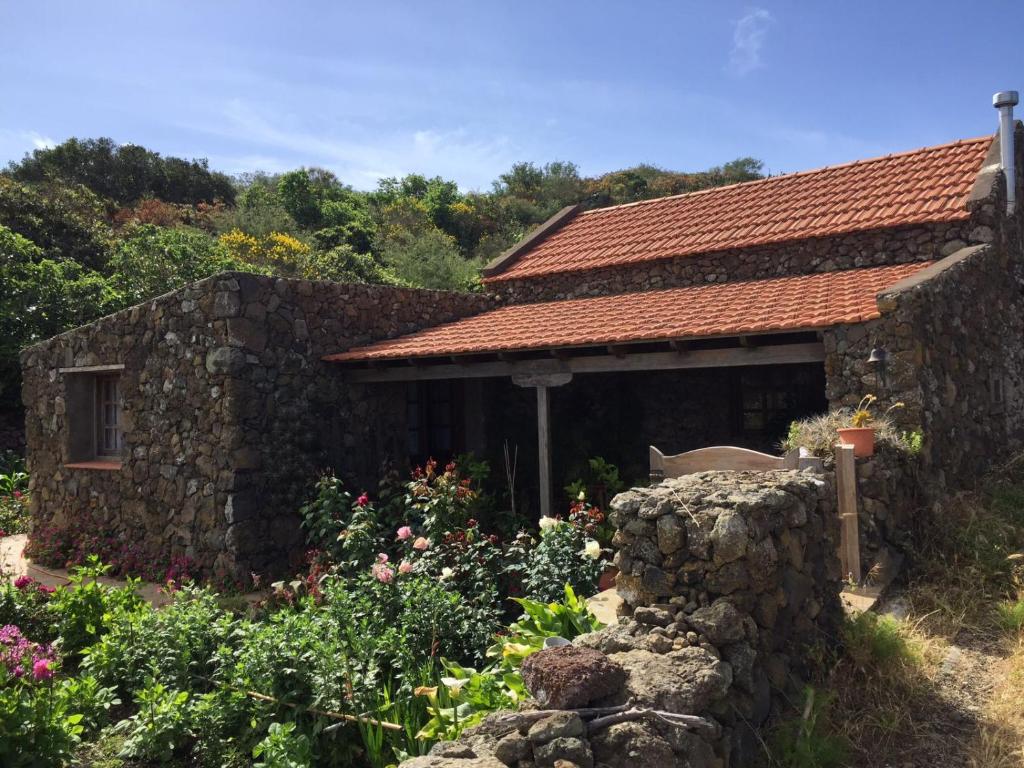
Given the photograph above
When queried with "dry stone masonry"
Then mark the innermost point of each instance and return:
(728, 578)
(228, 414)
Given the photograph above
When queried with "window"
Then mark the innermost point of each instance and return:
(108, 417)
(96, 418)
(432, 418)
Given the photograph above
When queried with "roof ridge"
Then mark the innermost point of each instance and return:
(793, 175)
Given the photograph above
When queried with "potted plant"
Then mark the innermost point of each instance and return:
(861, 432)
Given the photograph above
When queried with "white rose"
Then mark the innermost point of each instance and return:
(547, 523)
(582, 496)
(447, 573)
(592, 549)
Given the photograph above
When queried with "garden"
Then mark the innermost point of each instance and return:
(408, 625)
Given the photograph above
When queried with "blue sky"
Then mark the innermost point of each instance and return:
(464, 89)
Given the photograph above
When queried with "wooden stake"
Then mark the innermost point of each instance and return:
(544, 449)
(846, 487)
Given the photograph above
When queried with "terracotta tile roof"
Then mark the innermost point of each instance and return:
(926, 185)
(728, 309)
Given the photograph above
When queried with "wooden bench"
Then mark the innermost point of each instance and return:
(724, 457)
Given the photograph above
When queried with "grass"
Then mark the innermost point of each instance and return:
(1000, 740)
(883, 700)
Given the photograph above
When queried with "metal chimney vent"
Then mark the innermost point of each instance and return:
(1005, 101)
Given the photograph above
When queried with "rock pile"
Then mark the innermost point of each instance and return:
(726, 578)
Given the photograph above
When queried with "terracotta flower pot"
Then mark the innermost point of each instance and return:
(607, 580)
(861, 438)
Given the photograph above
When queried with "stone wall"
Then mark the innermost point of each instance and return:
(823, 254)
(228, 413)
(727, 578)
(953, 334)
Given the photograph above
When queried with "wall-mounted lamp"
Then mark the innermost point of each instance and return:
(879, 360)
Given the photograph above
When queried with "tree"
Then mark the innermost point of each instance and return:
(39, 298)
(67, 222)
(151, 260)
(124, 173)
(429, 259)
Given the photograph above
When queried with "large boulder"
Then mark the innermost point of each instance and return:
(570, 676)
(632, 745)
(719, 622)
(686, 681)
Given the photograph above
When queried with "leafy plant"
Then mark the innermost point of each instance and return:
(564, 555)
(807, 742)
(176, 645)
(441, 500)
(283, 748)
(84, 609)
(160, 727)
(38, 724)
(346, 529)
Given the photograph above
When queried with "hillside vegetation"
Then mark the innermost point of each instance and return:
(89, 227)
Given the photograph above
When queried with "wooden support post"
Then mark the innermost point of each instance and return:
(542, 382)
(544, 449)
(846, 487)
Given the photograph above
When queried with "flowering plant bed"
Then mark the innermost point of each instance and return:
(395, 637)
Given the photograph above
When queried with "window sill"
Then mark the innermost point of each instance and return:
(107, 465)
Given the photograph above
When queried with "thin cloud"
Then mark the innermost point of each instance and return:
(360, 157)
(748, 38)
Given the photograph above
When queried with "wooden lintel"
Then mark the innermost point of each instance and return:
(617, 350)
(559, 354)
(777, 354)
(680, 347)
(747, 342)
(92, 368)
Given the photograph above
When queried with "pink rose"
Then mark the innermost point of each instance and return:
(405, 532)
(17, 494)
(363, 500)
(382, 557)
(420, 544)
(41, 670)
(382, 573)
(23, 581)
(405, 567)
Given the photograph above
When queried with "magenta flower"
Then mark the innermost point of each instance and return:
(23, 581)
(17, 495)
(405, 532)
(48, 590)
(363, 500)
(41, 669)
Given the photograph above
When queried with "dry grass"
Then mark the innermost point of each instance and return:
(1000, 740)
(945, 685)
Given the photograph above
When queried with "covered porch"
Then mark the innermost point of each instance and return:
(551, 384)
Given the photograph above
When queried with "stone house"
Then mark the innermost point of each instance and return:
(194, 423)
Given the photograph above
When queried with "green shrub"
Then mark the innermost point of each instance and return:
(84, 609)
(160, 727)
(176, 645)
(561, 557)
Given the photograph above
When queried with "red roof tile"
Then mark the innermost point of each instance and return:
(926, 185)
(728, 309)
